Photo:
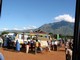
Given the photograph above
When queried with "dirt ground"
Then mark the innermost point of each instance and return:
(10, 54)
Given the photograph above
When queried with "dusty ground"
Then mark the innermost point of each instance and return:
(53, 55)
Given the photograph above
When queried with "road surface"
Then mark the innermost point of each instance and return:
(10, 54)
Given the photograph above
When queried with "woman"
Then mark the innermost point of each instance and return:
(17, 46)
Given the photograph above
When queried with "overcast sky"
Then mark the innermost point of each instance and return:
(26, 14)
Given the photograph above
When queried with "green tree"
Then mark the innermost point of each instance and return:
(4, 32)
(55, 36)
(51, 34)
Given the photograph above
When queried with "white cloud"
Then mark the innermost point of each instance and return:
(3, 29)
(25, 28)
(31, 27)
(65, 17)
(15, 29)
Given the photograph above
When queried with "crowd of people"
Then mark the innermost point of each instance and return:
(31, 45)
(34, 45)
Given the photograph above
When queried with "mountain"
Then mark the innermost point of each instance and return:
(62, 27)
(18, 31)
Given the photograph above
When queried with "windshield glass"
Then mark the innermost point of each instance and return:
(39, 26)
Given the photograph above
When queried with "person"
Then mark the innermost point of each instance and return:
(27, 46)
(1, 42)
(17, 46)
(39, 45)
(8, 43)
(1, 56)
(67, 45)
(5, 41)
(32, 45)
(52, 44)
(55, 45)
(36, 46)
(49, 45)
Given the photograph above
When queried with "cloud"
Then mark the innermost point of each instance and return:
(25, 28)
(3, 29)
(31, 27)
(15, 29)
(65, 17)
(20, 28)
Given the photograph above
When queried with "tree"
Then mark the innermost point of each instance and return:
(51, 34)
(4, 32)
(55, 36)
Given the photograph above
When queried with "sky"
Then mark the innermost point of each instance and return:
(27, 14)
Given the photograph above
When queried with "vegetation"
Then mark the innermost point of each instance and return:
(65, 28)
(4, 32)
(51, 34)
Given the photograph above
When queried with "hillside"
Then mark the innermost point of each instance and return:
(62, 27)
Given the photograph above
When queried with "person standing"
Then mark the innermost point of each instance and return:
(27, 46)
(17, 46)
(55, 45)
(52, 44)
(8, 43)
(5, 42)
(49, 45)
(1, 42)
(36, 46)
(32, 45)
